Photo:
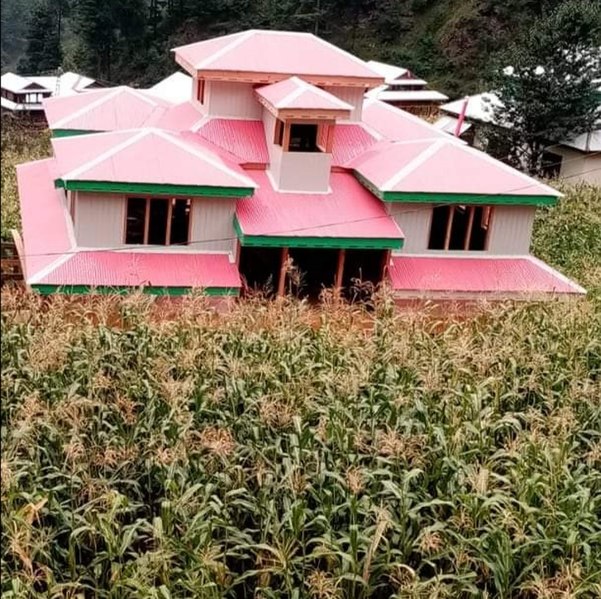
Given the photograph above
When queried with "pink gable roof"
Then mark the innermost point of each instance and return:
(349, 211)
(294, 93)
(443, 167)
(146, 156)
(243, 139)
(107, 109)
(181, 117)
(420, 275)
(284, 52)
(350, 141)
(398, 125)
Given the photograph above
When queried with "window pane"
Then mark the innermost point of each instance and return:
(134, 227)
(440, 217)
(180, 220)
(479, 230)
(157, 229)
(303, 138)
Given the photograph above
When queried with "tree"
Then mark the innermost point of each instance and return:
(547, 93)
(43, 50)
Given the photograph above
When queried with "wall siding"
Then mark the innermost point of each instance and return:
(304, 171)
(99, 219)
(578, 166)
(212, 223)
(414, 220)
(351, 95)
(511, 229)
(228, 99)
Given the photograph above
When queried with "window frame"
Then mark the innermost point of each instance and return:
(148, 199)
(200, 90)
(487, 214)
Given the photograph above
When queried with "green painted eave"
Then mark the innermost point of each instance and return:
(122, 290)
(456, 198)
(153, 188)
(71, 132)
(316, 242)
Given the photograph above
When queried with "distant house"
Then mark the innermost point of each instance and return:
(176, 88)
(20, 94)
(578, 158)
(402, 89)
(275, 166)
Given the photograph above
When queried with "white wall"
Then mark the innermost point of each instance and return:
(578, 166)
(99, 219)
(212, 220)
(230, 99)
(351, 95)
(510, 229)
(304, 171)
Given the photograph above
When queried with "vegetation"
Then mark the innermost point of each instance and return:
(290, 451)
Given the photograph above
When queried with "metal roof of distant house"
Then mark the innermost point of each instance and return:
(274, 52)
(347, 216)
(408, 96)
(296, 94)
(175, 88)
(390, 72)
(146, 161)
(448, 124)
(443, 170)
(107, 109)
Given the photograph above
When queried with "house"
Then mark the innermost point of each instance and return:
(577, 158)
(174, 88)
(276, 173)
(402, 89)
(19, 94)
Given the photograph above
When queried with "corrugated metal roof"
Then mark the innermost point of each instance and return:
(176, 88)
(390, 72)
(244, 139)
(181, 117)
(350, 140)
(285, 52)
(448, 124)
(148, 268)
(420, 95)
(516, 275)
(349, 210)
(294, 93)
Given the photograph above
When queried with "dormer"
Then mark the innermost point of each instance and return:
(299, 120)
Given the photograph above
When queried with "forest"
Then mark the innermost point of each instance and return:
(451, 43)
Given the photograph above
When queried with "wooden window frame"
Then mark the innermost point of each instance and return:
(487, 213)
(200, 90)
(325, 132)
(149, 199)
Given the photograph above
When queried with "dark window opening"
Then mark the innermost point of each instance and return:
(459, 228)
(279, 132)
(157, 221)
(311, 271)
(551, 165)
(200, 91)
(303, 138)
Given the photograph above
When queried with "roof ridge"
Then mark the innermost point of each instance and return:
(242, 37)
(67, 119)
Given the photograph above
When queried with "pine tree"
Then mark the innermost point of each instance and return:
(43, 52)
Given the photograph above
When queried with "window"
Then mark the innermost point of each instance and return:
(459, 228)
(551, 164)
(157, 221)
(200, 91)
(278, 137)
(303, 138)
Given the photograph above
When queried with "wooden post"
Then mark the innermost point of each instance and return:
(470, 226)
(339, 270)
(385, 263)
(282, 279)
(447, 237)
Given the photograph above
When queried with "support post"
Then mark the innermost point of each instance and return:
(385, 263)
(282, 278)
(339, 270)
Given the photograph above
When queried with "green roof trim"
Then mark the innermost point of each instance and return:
(374, 243)
(154, 188)
(71, 132)
(457, 198)
(122, 290)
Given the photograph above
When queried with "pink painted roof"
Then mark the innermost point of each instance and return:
(108, 109)
(398, 125)
(181, 117)
(144, 156)
(443, 166)
(350, 141)
(520, 275)
(285, 52)
(151, 269)
(294, 93)
(243, 139)
(46, 227)
(348, 211)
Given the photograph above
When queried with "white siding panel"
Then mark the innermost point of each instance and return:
(578, 166)
(511, 229)
(212, 225)
(414, 220)
(304, 171)
(229, 99)
(99, 219)
(351, 95)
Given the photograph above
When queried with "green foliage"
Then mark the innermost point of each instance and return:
(549, 95)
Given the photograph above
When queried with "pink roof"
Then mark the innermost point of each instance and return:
(151, 269)
(444, 167)
(146, 156)
(106, 109)
(349, 142)
(524, 275)
(46, 226)
(243, 139)
(294, 93)
(181, 117)
(398, 125)
(348, 211)
(284, 52)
